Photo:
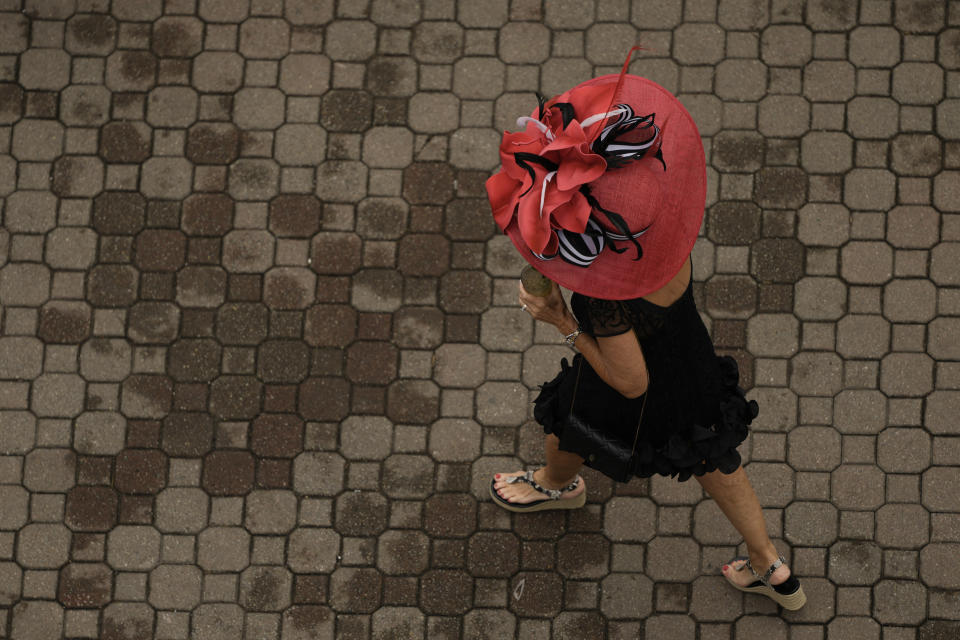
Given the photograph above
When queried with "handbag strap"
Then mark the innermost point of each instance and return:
(576, 383)
(643, 405)
(640, 420)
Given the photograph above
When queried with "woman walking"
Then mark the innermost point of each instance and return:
(603, 192)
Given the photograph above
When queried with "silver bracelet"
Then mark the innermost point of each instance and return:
(571, 338)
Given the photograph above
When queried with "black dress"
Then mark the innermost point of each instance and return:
(695, 414)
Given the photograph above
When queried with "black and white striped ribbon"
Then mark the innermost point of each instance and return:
(616, 151)
(581, 249)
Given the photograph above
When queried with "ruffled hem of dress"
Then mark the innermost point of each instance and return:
(695, 450)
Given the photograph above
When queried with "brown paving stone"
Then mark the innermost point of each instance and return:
(140, 471)
(80, 176)
(777, 260)
(117, 212)
(146, 396)
(112, 286)
(143, 433)
(265, 588)
(734, 223)
(428, 183)
(361, 514)
(11, 102)
(413, 401)
(235, 397)
(301, 622)
(450, 514)
(241, 323)
(731, 296)
(493, 554)
(153, 322)
(310, 589)
(324, 398)
(288, 287)
(371, 362)
(355, 589)
(854, 562)
(938, 630)
(295, 216)
(187, 433)
(468, 219)
(207, 214)
(276, 435)
(94, 469)
(539, 597)
(178, 37)
(193, 360)
(464, 292)
(84, 585)
(418, 327)
(160, 250)
(336, 253)
(91, 508)
(403, 552)
(582, 556)
(64, 322)
(125, 142)
(228, 473)
(423, 255)
(274, 474)
(446, 591)
(282, 361)
(213, 143)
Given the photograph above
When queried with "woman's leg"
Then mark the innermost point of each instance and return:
(734, 495)
(562, 467)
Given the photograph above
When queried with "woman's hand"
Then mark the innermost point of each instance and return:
(550, 309)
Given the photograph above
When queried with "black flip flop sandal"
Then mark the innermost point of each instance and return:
(553, 502)
(788, 594)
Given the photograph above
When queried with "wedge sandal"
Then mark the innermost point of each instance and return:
(788, 594)
(553, 501)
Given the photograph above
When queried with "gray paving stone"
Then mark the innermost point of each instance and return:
(49, 470)
(899, 602)
(43, 546)
(217, 621)
(857, 487)
(271, 511)
(37, 619)
(175, 586)
(811, 523)
(903, 526)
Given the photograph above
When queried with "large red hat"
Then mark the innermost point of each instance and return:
(604, 189)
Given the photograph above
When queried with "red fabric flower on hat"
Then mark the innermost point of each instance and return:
(544, 167)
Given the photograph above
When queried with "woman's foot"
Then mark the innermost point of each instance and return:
(523, 493)
(740, 575)
(529, 491)
(775, 582)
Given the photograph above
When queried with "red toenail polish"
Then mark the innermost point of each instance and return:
(497, 476)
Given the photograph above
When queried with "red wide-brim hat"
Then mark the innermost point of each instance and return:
(603, 191)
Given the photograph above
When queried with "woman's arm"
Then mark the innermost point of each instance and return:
(618, 360)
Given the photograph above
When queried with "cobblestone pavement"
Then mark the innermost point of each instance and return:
(255, 373)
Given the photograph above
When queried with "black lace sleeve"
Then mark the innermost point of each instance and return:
(601, 318)
(604, 318)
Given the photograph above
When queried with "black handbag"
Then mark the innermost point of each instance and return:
(602, 451)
